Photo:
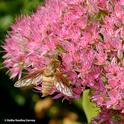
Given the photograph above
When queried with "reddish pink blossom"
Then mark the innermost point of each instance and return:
(109, 117)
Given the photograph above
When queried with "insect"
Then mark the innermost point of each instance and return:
(50, 76)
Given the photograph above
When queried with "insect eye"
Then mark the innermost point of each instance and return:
(60, 58)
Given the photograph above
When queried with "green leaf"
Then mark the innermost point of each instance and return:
(90, 108)
(6, 22)
(20, 100)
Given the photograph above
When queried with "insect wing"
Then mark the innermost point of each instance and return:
(31, 79)
(64, 89)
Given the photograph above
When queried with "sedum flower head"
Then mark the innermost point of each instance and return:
(88, 38)
(109, 117)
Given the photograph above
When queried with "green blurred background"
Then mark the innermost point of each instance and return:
(24, 103)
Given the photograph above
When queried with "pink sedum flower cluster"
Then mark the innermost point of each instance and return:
(91, 35)
(109, 116)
